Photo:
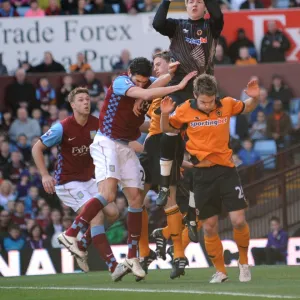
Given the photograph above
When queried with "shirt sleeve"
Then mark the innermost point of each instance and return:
(121, 85)
(237, 106)
(152, 79)
(176, 119)
(53, 136)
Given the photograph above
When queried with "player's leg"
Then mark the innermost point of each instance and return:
(209, 205)
(235, 203)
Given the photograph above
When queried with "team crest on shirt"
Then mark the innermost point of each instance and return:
(92, 134)
(219, 113)
(112, 168)
(80, 195)
(199, 32)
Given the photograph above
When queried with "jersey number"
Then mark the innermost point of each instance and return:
(241, 192)
(142, 176)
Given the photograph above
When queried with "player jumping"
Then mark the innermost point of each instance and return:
(115, 162)
(73, 181)
(216, 182)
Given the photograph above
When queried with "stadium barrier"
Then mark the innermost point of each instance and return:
(53, 261)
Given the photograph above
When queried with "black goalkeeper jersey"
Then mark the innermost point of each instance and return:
(193, 42)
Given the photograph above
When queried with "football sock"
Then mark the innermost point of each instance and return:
(144, 249)
(174, 220)
(89, 211)
(242, 238)
(85, 240)
(214, 249)
(134, 226)
(101, 244)
(185, 235)
(166, 232)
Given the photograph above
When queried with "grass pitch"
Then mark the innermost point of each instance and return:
(275, 282)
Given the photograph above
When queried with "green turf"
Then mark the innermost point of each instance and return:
(276, 280)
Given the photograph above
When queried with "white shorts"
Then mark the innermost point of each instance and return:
(76, 193)
(116, 160)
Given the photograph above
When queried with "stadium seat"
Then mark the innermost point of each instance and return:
(266, 148)
(22, 11)
(295, 106)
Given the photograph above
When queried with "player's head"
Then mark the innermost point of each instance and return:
(205, 92)
(161, 62)
(79, 100)
(195, 9)
(139, 71)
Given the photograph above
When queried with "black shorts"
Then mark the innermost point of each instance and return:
(217, 187)
(150, 160)
(181, 96)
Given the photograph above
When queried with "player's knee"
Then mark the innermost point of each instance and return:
(112, 214)
(136, 200)
(238, 222)
(210, 228)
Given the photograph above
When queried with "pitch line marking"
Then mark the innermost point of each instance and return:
(53, 288)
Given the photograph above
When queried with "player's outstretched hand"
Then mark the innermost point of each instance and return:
(137, 107)
(186, 79)
(173, 67)
(167, 105)
(252, 89)
(49, 184)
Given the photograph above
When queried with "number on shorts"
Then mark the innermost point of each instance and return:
(142, 176)
(241, 192)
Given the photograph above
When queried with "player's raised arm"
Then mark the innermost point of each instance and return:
(150, 94)
(161, 24)
(166, 107)
(216, 16)
(252, 91)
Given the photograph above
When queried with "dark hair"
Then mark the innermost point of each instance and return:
(14, 227)
(205, 85)
(78, 90)
(164, 55)
(141, 66)
(276, 219)
(33, 228)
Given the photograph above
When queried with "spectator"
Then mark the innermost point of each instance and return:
(4, 154)
(45, 94)
(38, 116)
(7, 10)
(124, 61)
(6, 121)
(223, 42)
(21, 93)
(100, 7)
(81, 65)
(156, 50)
(34, 176)
(251, 4)
(241, 41)
(129, 6)
(148, 6)
(121, 204)
(36, 239)
(19, 216)
(239, 127)
(31, 201)
(67, 221)
(14, 168)
(296, 129)
(245, 58)
(49, 65)
(274, 44)
(264, 105)
(94, 85)
(24, 125)
(43, 217)
(294, 3)
(14, 241)
(281, 91)
(24, 147)
(276, 249)
(5, 221)
(62, 114)
(53, 9)
(23, 185)
(220, 58)
(55, 227)
(25, 65)
(6, 193)
(3, 69)
(64, 91)
(259, 127)
(80, 9)
(279, 125)
(67, 6)
(53, 115)
(97, 111)
(35, 10)
(224, 6)
(247, 155)
(29, 225)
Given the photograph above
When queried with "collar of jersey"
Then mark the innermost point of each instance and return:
(193, 104)
(196, 21)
